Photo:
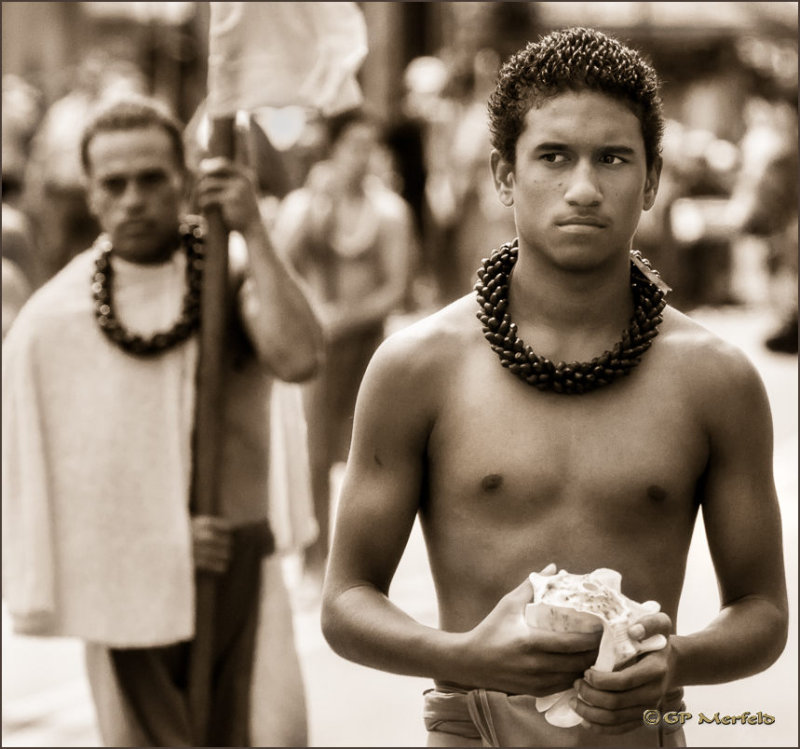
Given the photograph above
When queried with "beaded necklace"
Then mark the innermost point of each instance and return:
(574, 377)
(189, 319)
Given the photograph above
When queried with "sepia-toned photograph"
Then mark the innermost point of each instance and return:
(399, 374)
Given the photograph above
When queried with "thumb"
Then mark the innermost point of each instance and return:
(518, 597)
(647, 626)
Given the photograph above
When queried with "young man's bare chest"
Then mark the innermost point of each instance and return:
(520, 478)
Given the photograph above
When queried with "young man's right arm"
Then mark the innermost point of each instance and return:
(396, 410)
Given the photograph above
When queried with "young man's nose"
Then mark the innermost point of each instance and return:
(582, 186)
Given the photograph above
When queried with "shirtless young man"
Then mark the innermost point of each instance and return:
(507, 477)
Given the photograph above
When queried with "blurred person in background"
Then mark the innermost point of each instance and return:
(22, 111)
(482, 220)
(429, 106)
(100, 539)
(419, 155)
(350, 238)
(515, 463)
(20, 269)
(23, 108)
(764, 204)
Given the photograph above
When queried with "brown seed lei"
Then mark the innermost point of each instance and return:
(539, 371)
(185, 325)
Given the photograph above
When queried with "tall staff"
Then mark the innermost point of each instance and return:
(260, 55)
(207, 427)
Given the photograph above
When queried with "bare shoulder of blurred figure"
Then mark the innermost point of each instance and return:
(350, 238)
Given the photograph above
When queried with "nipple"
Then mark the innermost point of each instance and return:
(656, 493)
(491, 482)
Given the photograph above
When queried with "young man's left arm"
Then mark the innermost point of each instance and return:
(743, 527)
(276, 313)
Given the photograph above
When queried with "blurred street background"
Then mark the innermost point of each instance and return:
(723, 234)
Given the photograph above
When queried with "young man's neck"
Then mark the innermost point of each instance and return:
(570, 312)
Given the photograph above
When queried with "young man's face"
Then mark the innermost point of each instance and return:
(580, 181)
(135, 187)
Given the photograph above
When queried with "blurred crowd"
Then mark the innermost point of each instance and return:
(723, 230)
(395, 216)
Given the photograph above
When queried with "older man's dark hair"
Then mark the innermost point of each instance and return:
(131, 114)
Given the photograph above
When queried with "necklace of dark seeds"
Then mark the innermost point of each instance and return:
(538, 371)
(189, 318)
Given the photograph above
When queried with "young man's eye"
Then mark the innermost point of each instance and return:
(611, 158)
(554, 158)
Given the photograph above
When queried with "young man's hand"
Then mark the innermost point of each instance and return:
(211, 543)
(614, 702)
(504, 653)
(229, 187)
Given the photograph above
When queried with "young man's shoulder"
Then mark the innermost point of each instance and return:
(432, 343)
(448, 327)
(714, 366)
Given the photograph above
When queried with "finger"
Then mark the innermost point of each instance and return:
(207, 534)
(653, 624)
(598, 716)
(210, 567)
(218, 164)
(642, 697)
(217, 551)
(210, 564)
(550, 569)
(564, 663)
(518, 597)
(550, 683)
(212, 558)
(648, 669)
(211, 520)
(673, 700)
(214, 193)
(212, 538)
(220, 530)
(201, 534)
(565, 642)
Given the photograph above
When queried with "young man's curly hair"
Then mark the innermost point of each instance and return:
(574, 59)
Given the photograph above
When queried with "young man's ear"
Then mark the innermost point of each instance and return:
(651, 183)
(503, 176)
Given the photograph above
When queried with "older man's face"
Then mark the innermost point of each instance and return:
(135, 188)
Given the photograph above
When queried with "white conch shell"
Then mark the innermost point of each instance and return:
(564, 602)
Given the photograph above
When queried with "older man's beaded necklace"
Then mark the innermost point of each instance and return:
(574, 377)
(184, 326)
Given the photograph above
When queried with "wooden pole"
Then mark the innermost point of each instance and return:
(209, 402)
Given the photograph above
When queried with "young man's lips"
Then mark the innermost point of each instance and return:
(582, 221)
